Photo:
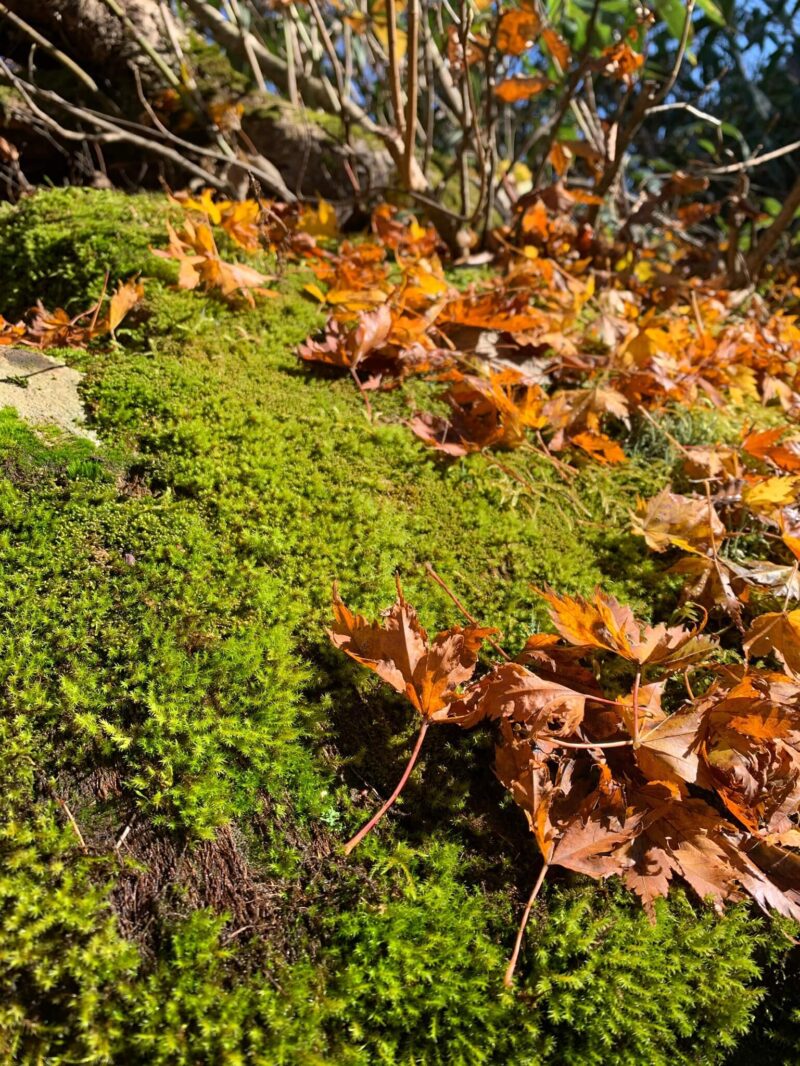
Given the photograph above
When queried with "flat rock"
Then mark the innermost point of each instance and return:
(42, 390)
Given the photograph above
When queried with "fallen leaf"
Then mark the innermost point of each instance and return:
(778, 633)
(427, 673)
(605, 623)
(670, 520)
(127, 296)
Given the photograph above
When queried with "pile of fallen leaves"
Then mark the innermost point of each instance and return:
(737, 529)
(638, 777)
(540, 351)
(559, 348)
(648, 753)
(57, 329)
(569, 337)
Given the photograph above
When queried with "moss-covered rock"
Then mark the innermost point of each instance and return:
(181, 750)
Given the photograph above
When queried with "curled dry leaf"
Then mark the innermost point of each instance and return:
(605, 623)
(666, 746)
(670, 520)
(348, 348)
(713, 463)
(776, 633)
(578, 820)
(487, 412)
(510, 691)
(199, 262)
(127, 296)
(427, 673)
(751, 748)
(685, 837)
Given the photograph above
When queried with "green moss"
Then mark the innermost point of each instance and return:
(166, 678)
(59, 245)
(213, 71)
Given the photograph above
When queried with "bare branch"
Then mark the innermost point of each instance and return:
(394, 64)
(412, 68)
(682, 106)
(758, 255)
(754, 161)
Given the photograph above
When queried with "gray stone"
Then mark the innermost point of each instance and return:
(42, 390)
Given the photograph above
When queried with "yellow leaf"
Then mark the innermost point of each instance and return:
(381, 31)
(126, 297)
(316, 292)
(356, 299)
(765, 496)
(319, 222)
(205, 203)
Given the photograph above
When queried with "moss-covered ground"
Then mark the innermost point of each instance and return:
(182, 753)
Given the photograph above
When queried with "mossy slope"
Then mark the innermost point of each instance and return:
(167, 683)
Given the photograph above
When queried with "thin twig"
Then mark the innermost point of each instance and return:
(76, 828)
(412, 75)
(681, 105)
(754, 161)
(394, 65)
(363, 391)
(589, 745)
(119, 130)
(330, 51)
(635, 699)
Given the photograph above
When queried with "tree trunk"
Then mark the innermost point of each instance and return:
(98, 39)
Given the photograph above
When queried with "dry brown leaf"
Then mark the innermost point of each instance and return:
(557, 47)
(777, 633)
(427, 673)
(517, 31)
(512, 90)
(127, 296)
(547, 708)
(670, 520)
(605, 623)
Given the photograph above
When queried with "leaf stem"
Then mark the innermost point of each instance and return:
(635, 694)
(363, 392)
(508, 980)
(573, 744)
(356, 840)
(441, 583)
